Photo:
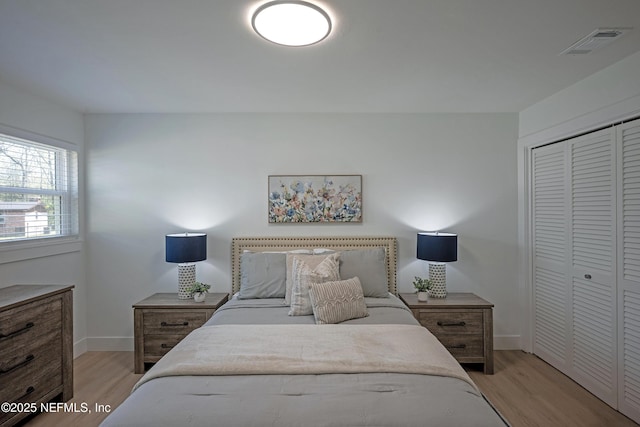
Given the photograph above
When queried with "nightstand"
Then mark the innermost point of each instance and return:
(463, 322)
(162, 320)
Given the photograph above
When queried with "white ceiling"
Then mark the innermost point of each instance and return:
(383, 56)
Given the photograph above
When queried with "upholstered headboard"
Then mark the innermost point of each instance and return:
(261, 244)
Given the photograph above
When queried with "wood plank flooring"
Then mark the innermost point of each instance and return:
(103, 378)
(526, 390)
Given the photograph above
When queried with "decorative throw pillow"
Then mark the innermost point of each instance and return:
(311, 260)
(335, 302)
(304, 275)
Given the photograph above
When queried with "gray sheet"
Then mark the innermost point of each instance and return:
(305, 400)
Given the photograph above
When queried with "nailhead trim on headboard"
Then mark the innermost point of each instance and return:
(261, 244)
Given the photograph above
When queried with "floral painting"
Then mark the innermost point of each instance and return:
(315, 198)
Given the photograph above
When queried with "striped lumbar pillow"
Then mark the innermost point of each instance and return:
(304, 276)
(335, 302)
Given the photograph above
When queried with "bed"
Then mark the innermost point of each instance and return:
(313, 336)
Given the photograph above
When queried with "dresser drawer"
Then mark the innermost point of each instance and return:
(32, 373)
(32, 390)
(26, 328)
(172, 322)
(455, 322)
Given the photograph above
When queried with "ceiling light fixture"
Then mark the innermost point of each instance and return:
(291, 23)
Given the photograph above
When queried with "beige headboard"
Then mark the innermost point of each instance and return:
(261, 244)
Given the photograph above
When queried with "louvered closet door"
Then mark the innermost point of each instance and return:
(550, 255)
(592, 265)
(629, 269)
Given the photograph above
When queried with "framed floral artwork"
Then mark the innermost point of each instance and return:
(315, 198)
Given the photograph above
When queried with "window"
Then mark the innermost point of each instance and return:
(38, 190)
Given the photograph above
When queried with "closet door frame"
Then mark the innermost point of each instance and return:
(573, 258)
(584, 123)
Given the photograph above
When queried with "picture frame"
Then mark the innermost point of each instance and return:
(304, 199)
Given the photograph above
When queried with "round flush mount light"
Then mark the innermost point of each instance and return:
(291, 23)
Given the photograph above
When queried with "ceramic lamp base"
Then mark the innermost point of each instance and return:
(438, 276)
(186, 278)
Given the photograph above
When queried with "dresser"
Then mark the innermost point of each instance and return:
(162, 320)
(36, 348)
(462, 322)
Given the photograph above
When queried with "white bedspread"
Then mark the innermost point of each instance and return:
(307, 349)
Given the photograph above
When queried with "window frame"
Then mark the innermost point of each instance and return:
(42, 246)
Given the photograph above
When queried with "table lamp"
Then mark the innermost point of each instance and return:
(185, 249)
(438, 248)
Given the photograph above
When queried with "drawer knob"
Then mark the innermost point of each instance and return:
(27, 360)
(166, 346)
(19, 331)
(174, 324)
(457, 346)
(587, 276)
(451, 324)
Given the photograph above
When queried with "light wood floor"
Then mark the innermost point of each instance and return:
(526, 390)
(529, 392)
(100, 377)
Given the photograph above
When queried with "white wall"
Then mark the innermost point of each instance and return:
(609, 94)
(149, 175)
(21, 111)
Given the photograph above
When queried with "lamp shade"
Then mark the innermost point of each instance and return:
(186, 247)
(437, 247)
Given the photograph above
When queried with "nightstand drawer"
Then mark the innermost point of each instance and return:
(443, 322)
(463, 346)
(156, 346)
(172, 322)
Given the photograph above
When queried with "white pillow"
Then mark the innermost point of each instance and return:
(303, 276)
(309, 259)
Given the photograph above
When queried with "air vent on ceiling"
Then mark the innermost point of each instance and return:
(595, 40)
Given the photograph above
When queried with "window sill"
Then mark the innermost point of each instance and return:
(25, 250)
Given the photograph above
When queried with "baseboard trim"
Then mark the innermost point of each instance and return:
(507, 342)
(79, 348)
(110, 344)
